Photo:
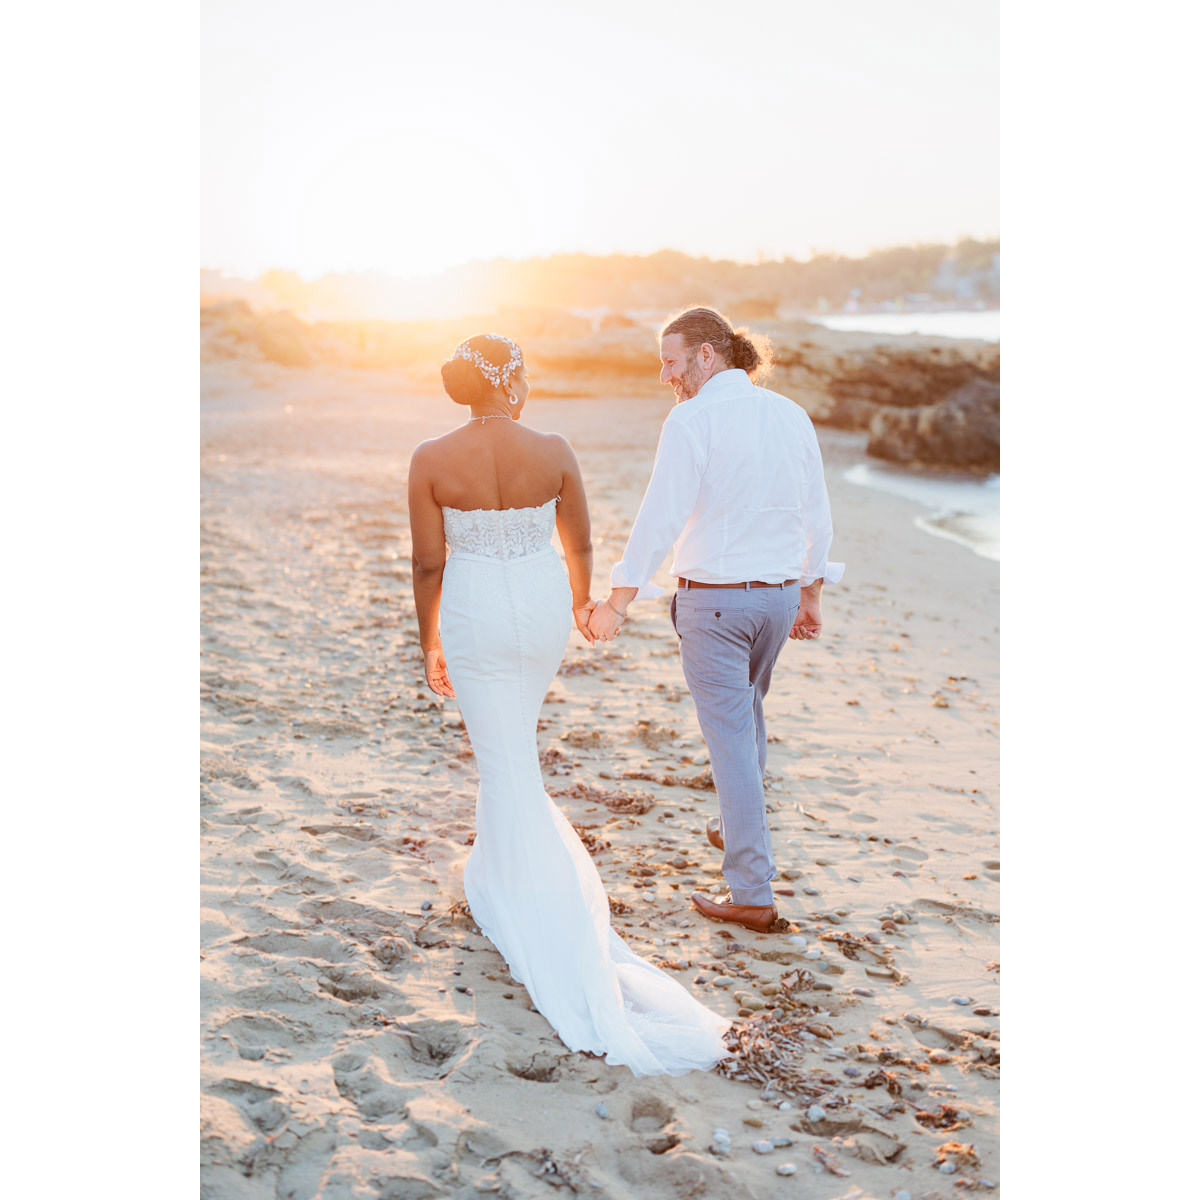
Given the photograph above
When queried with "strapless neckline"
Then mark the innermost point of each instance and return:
(525, 508)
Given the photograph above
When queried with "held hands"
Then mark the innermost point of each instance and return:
(605, 622)
(435, 672)
(581, 613)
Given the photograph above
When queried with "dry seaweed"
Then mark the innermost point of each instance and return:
(632, 802)
(768, 1049)
(591, 843)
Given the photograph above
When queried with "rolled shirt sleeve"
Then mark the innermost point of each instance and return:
(818, 522)
(668, 503)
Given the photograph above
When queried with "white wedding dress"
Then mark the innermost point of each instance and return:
(532, 886)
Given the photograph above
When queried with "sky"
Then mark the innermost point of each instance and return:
(405, 138)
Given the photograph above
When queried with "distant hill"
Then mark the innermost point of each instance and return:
(966, 274)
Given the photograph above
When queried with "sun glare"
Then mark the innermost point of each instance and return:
(409, 203)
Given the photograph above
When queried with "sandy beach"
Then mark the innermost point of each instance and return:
(360, 1038)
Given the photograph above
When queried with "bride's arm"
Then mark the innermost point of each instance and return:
(575, 533)
(428, 564)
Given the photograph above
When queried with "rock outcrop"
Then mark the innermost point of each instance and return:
(962, 431)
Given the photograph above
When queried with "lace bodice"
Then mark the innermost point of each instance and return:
(500, 532)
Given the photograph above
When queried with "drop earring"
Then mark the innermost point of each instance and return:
(512, 399)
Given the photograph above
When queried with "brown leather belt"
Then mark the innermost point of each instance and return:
(692, 583)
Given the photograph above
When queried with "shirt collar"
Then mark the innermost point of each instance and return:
(722, 381)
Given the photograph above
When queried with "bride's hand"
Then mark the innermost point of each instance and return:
(582, 613)
(435, 672)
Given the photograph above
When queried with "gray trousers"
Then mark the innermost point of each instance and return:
(729, 639)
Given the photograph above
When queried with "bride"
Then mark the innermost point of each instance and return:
(494, 492)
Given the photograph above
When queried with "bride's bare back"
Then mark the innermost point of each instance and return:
(492, 463)
(496, 464)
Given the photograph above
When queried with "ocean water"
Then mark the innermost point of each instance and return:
(982, 325)
(964, 509)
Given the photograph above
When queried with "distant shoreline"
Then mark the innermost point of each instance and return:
(962, 509)
(980, 324)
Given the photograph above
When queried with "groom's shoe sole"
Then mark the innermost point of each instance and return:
(714, 833)
(762, 918)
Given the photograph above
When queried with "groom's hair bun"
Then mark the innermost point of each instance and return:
(462, 378)
(737, 347)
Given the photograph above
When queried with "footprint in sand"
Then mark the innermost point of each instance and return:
(359, 1079)
(286, 944)
(354, 987)
(259, 1105)
(355, 833)
(255, 1034)
(541, 1068)
(651, 1115)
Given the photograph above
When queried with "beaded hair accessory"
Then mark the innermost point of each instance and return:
(496, 376)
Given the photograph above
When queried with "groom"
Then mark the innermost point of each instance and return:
(738, 489)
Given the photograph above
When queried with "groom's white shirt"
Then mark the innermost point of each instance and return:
(738, 489)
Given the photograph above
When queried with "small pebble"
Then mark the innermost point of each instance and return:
(982, 1011)
(814, 953)
(786, 1169)
(852, 1071)
(961, 1000)
(784, 1105)
(902, 1195)
(862, 991)
(780, 1142)
(754, 1104)
(812, 891)
(763, 1147)
(815, 1113)
(797, 940)
(947, 1168)
(602, 1110)
(426, 905)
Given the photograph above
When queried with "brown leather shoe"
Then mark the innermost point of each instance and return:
(759, 917)
(714, 833)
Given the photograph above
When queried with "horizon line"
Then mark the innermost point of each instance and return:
(813, 254)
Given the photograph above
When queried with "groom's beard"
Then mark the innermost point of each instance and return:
(689, 381)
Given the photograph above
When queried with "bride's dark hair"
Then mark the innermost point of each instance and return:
(463, 379)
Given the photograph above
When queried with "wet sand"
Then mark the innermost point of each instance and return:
(362, 1039)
